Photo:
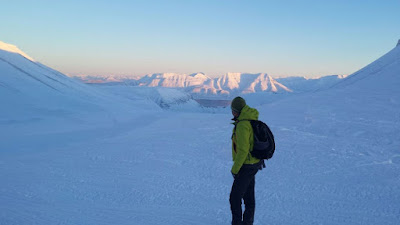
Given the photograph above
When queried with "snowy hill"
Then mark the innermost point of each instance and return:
(381, 75)
(167, 98)
(302, 84)
(29, 86)
(13, 49)
(338, 149)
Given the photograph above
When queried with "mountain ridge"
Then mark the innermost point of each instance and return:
(201, 84)
(14, 49)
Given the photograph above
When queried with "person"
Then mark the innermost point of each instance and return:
(245, 166)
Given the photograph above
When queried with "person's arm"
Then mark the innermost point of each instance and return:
(242, 146)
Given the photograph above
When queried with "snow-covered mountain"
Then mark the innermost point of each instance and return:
(173, 80)
(29, 86)
(110, 79)
(229, 84)
(249, 83)
(199, 84)
(202, 86)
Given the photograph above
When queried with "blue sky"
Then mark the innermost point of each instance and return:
(281, 38)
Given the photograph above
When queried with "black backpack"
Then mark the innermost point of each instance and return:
(264, 143)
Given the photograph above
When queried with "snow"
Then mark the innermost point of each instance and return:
(118, 158)
(29, 90)
(166, 98)
(14, 49)
(173, 80)
(200, 85)
(302, 84)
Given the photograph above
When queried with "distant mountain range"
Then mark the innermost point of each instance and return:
(230, 83)
(199, 84)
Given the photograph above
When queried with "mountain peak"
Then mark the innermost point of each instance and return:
(230, 83)
(200, 74)
(14, 49)
(398, 43)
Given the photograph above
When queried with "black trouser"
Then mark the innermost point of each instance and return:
(243, 188)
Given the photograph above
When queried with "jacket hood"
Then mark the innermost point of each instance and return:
(248, 113)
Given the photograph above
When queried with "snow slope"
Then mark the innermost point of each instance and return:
(381, 75)
(31, 91)
(14, 49)
(337, 162)
(340, 151)
(166, 98)
(302, 84)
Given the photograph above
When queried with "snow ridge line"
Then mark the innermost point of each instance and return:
(50, 70)
(56, 73)
(373, 68)
(26, 73)
(42, 67)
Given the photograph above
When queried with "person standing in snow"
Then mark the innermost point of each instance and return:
(245, 166)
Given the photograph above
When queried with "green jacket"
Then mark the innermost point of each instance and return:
(243, 139)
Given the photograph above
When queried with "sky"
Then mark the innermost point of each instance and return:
(279, 37)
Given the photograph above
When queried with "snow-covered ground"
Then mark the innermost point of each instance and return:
(166, 98)
(337, 160)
